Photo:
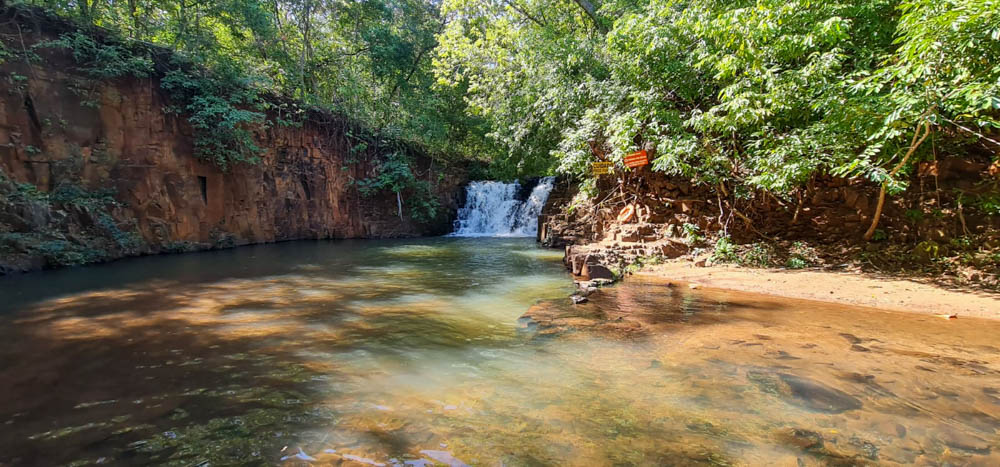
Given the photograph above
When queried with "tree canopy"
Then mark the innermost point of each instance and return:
(370, 59)
(760, 94)
(756, 94)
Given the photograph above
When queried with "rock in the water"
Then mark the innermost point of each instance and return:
(804, 392)
(802, 439)
(868, 449)
(966, 442)
(578, 299)
(817, 396)
(597, 271)
(812, 442)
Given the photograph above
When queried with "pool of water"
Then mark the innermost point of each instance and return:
(420, 352)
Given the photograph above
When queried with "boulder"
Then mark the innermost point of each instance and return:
(597, 271)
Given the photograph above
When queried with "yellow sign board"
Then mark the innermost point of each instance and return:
(600, 168)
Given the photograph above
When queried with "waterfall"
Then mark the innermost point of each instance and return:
(494, 209)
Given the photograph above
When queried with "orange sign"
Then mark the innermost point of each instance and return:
(637, 159)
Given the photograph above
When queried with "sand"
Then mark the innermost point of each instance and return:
(850, 288)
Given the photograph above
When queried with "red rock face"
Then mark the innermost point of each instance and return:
(118, 136)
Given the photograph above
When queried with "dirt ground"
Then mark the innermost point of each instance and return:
(850, 288)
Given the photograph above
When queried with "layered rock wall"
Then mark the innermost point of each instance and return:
(116, 139)
(675, 217)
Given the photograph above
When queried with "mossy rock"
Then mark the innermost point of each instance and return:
(928, 250)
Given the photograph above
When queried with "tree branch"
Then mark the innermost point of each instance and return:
(592, 13)
(524, 13)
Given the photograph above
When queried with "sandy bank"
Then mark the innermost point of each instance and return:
(849, 288)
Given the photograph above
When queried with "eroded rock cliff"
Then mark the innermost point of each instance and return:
(927, 228)
(96, 172)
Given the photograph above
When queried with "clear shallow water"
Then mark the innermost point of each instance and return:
(361, 352)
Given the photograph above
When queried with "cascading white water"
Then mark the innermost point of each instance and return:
(493, 210)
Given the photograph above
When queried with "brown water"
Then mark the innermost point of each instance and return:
(413, 352)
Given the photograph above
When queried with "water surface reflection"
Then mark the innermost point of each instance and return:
(412, 352)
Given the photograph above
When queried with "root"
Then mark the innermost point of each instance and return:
(748, 222)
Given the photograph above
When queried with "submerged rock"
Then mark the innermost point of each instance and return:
(869, 450)
(813, 443)
(965, 442)
(819, 397)
(444, 457)
(804, 392)
(802, 439)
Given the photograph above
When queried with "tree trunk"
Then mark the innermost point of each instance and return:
(305, 27)
(917, 140)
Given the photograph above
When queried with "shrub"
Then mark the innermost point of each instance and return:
(216, 107)
(395, 175)
(105, 59)
(725, 251)
(692, 234)
(758, 255)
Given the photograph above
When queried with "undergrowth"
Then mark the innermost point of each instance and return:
(222, 105)
(395, 174)
(43, 216)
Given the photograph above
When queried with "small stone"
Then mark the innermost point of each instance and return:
(578, 299)
(802, 439)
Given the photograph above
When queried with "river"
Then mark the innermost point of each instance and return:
(412, 352)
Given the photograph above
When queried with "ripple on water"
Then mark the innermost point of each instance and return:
(408, 354)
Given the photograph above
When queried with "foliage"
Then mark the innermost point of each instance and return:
(759, 255)
(756, 95)
(215, 102)
(795, 262)
(25, 191)
(216, 107)
(725, 251)
(395, 174)
(72, 194)
(370, 60)
(761, 94)
(5, 53)
(55, 247)
(105, 59)
(422, 205)
(692, 234)
(801, 256)
(988, 203)
(63, 253)
(640, 263)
